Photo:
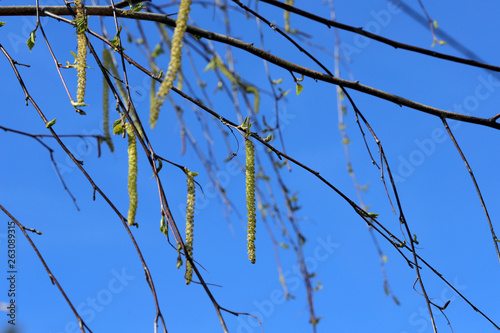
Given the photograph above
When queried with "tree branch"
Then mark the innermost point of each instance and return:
(397, 45)
(355, 85)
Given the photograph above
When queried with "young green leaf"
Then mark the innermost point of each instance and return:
(283, 245)
(157, 51)
(138, 7)
(298, 88)
(50, 123)
(31, 40)
(78, 104)
(117, 127)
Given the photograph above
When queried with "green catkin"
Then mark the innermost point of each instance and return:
(121, 88)
(287, 15)
(179, 258)
(250, 196)
(105, 102)
(190, 222)
(132, 175)
(175, 61)
(112, 67)
(218, 63)
(81, 58)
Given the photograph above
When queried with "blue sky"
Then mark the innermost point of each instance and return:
(92, 257)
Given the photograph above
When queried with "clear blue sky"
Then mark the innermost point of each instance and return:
(92, 257)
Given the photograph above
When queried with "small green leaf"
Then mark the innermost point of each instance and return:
(283, 94)
(117, 127)
(263, 177)
(283, 245)
(197, 37)
(81, 24)
(2, 24)
(246, 124)
(278, 81)
(415, 239)
(384, 258)
(315, 321)
(298, 88)
(402, 245)
(346, 141)
(31, 40)
(157, 51)
(211, 65)
(442, 42)
(163, 226)
(278, 164)
(76, 104)
(116, 41)
(138, 7)
(160, 165)
(318, 286)
(435, 23)
(50, 123)
(270, 137)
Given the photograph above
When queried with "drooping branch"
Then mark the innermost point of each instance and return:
(82, 325)
(395, 44)
(95, 188)
(250, 48)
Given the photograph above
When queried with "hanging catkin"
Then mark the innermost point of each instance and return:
(175, 61)
(250, 196)
(81, 57)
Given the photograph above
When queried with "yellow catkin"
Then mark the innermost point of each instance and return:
(190, 223)
(105, 102)
(218, 63)
(121, 88)
(132, 175)
(81, 57)
(250, 196)
(175, 61)
(287, 15)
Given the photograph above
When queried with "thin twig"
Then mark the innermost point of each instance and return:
(53, 279)
(483, 204)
